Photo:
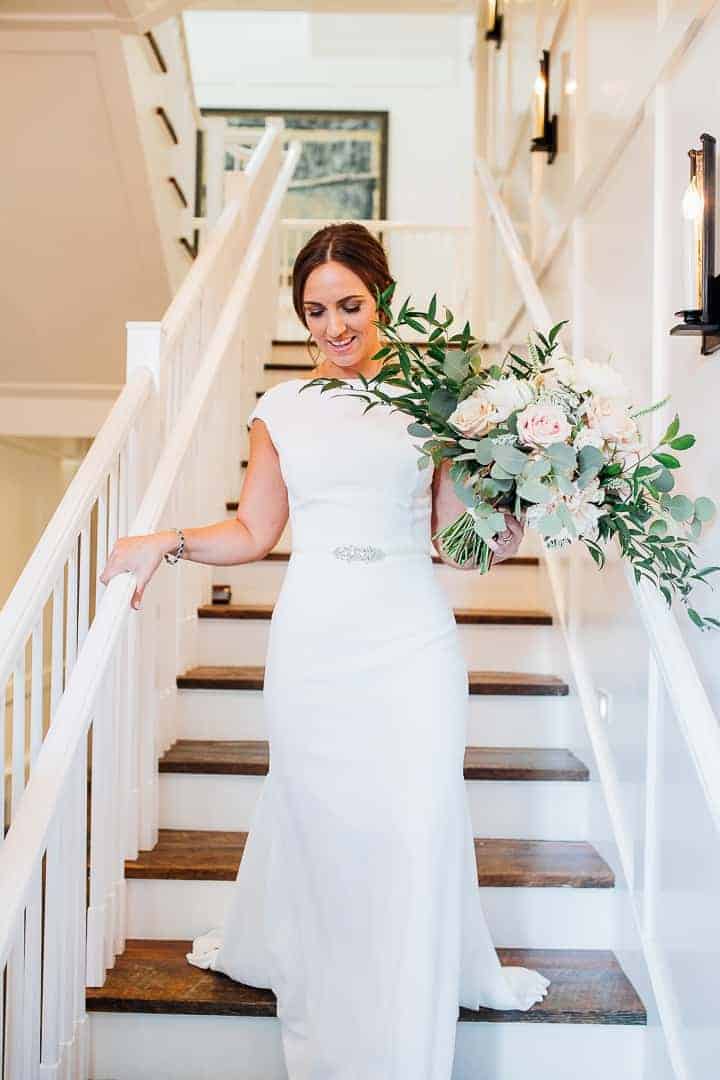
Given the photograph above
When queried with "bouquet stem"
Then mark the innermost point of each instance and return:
(461, 543)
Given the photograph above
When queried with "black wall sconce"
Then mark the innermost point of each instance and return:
(494, 23)
(544, 126)
(702, 315)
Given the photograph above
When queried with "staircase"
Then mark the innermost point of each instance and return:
(551, 896)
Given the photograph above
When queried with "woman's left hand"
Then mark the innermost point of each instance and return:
(506, 543)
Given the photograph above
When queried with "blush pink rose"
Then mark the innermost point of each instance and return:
(541, 425)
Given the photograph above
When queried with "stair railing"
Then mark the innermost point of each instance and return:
(90, 800)
(47, 615)
(677, 707)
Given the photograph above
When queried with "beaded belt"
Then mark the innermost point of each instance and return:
(365, 553)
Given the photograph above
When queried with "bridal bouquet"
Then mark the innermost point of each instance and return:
(553, 440)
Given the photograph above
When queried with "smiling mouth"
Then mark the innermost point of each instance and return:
(342, 346)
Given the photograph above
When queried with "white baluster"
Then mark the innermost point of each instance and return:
(52, 932)
(71, 614)
(37, 689)
(79, 892)
(14, 1009)
(120, 822)
(31, 993)
(56, 672)
(18, 734)
(84, 584)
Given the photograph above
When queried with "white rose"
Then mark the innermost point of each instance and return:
(610, 417)
(563, 370)
(600, 379)
(474, 415)
(589, 436)
(508, 395)
(541, 425)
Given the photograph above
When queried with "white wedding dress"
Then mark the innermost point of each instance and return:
(356, 900)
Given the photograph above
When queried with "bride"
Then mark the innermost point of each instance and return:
(356, 900)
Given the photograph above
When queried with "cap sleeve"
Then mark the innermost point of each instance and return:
(265, 408)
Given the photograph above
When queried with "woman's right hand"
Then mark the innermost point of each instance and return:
(141, 555)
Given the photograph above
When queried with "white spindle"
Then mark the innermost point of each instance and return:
(113, 505)
(97, 917)
(71, 614)
(79, 893)
(14, 1008)
(102, 546)
(84, 584)
(31, 990)
(52, 932)
(18, 734)
(37, 689)
(56, 660)
(122, 758)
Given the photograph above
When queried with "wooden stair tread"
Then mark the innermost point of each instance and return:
(463, 616)
(251, 677)
(250, 757)
(214, 855)
(588, 986)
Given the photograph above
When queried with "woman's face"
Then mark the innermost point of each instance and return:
(340, 312)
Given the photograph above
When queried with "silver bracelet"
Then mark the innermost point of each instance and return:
(172, 557)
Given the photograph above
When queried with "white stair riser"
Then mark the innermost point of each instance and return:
(504, 648)
(493, 719)
(509, 586)
(135, 1046)
(524, 809)
(523, 917)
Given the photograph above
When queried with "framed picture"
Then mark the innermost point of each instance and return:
(342, 171)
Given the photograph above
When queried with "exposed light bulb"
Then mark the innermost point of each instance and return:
(692, 202)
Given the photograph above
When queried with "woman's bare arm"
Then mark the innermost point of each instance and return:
(446, 507)
(262, 514)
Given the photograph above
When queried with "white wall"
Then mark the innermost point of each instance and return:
(417, 67)
(34, 474)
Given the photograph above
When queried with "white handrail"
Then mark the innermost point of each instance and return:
(680, 675)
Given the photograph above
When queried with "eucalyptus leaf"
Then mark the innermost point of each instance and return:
(442, 403)
(704, 508)
(681, 508)
(498, 473)
(421, 430)
(563, 455)
(549, 525)
(536, 468)
(590, 458)
(533, 491)
(658, 527)
(485, 451)
(665, 481)
(464, 493)
(565, 484)
(510, 458)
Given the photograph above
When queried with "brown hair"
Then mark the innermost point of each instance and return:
(348, 243)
